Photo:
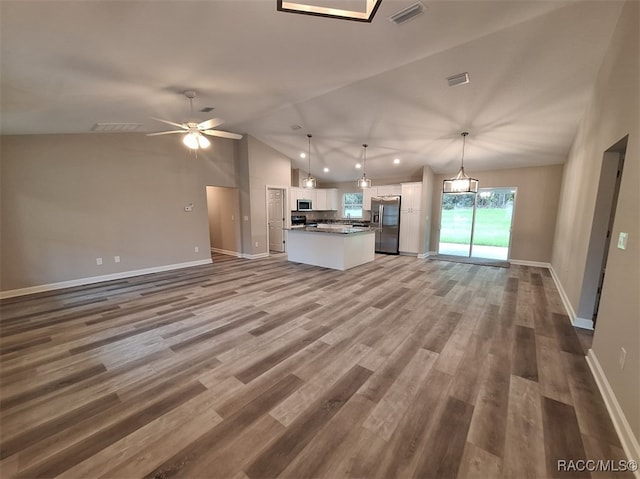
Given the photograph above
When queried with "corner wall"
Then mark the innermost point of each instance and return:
(69, 199)
(613, 113)
(534, 218)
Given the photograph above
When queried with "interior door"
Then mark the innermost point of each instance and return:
(276, 220)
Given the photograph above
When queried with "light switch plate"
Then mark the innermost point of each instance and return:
(622, 240)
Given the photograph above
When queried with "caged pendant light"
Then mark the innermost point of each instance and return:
(309, 181)
(364, 182)
(461, 183)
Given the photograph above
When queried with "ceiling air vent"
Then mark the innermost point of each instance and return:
(407, 14)
(459, 79)
(115, 127)
(295, 127)
(207, 109)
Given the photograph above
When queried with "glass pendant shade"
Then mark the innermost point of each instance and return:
(364, 182)
(195, 140)
(309, 181)
(191, 141)
(461, 183)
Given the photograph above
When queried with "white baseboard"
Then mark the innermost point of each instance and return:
(583, 323)
(227, 252)
(535, 264)
(98, 279)
(254, 256)
(565, 299)
(627, 438)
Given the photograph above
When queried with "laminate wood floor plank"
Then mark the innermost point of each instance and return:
(263, 368)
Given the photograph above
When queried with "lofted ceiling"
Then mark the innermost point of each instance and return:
(66, 66)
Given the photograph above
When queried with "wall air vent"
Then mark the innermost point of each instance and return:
(115, 127)
(407, 14)
(459, 79)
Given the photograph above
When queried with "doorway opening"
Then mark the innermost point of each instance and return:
(276, 219)
(223, 209)
(477, 225)
(601, 233)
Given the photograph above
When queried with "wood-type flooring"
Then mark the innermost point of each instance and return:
(263, 368)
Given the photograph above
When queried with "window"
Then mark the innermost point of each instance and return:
(352, 203)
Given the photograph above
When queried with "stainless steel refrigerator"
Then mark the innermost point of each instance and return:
(385, 219)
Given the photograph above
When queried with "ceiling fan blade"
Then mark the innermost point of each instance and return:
(165, 132)
(179, 125)
(208, 124)
(222, 134)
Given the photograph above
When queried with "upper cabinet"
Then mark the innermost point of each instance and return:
(411, 197)
(382, 190)
(322, 199)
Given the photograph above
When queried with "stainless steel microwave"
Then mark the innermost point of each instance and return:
(304, 205)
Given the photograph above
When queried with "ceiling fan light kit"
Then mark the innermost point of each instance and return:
(461, 183)
(364, 182)
(194, 137)
(309, 181)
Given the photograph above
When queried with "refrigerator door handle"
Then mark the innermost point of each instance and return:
(380, 216)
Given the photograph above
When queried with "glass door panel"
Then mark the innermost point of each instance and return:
(492, 225)
(456, 224)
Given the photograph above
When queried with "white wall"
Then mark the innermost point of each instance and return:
(613, 113)
(69, 199)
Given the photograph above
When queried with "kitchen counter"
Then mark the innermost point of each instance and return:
(335, 247)
(332, 229)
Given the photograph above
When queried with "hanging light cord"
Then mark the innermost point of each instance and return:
(309, 170)
(464, 139)
(364, 161)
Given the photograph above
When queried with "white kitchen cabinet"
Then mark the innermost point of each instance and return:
(411, 196)
(410, 217)
(367, 194)
(389, 190)
(332, 199)
(293, 198)
(320, 203)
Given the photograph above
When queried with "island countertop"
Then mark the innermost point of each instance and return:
(338, 229)
(331, 247)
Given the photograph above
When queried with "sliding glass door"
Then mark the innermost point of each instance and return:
(456, 224)
(477, 225)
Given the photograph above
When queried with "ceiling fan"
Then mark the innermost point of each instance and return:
(194, 132)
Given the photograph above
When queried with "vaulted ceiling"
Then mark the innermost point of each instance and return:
(532, 65)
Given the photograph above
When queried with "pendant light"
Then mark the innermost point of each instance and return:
(461, 183)
(309, 181)
(364, 182)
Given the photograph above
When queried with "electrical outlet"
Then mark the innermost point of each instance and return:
(99, 261)
(622, 358)
(256, 244)
(116, 259)
(196, 249)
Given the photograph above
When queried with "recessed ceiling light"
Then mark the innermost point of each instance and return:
(303, 155)
(358, 166)
(396, 161)
(326, 170)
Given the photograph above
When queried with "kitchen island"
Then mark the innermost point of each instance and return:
(332, 247)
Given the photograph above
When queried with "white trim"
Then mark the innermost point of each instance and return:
(536, 264)
(563, 296)
(627, 439)
(98, 279)
(583, 323)
(227, 252)
(254, 256)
